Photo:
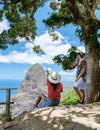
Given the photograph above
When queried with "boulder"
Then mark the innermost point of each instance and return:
(33, 84)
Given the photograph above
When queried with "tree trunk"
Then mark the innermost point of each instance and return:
(93, 76)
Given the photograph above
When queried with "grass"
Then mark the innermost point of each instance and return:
(69, 98)
(2, 116)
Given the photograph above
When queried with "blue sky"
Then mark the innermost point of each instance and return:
(16, 60)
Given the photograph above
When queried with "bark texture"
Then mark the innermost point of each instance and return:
(93, 76)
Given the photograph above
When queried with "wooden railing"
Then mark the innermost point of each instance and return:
(8, 102)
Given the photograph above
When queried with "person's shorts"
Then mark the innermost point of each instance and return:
(48, 102)
(80, 84)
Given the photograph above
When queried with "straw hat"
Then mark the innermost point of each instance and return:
(54, 77)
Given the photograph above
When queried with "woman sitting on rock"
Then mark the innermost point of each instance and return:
(54, 90)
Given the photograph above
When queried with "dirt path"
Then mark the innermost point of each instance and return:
(78, 117)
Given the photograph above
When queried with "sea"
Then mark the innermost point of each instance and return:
(7, 83)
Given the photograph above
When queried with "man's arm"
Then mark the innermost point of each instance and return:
(75, 63)
(81, 74)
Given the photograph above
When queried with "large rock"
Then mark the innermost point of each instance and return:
(33, 84)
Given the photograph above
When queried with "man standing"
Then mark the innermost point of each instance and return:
(79, 85)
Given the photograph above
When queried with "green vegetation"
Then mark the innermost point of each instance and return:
(69, 98)
(66, 61)
(2, 116)
(22, 23)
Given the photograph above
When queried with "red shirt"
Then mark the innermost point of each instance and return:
(54, 94)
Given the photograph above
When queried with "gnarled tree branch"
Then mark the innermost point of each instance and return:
(95, 2)
(87, 8)
(74, 9)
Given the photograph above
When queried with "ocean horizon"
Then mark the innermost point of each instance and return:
(9, 83)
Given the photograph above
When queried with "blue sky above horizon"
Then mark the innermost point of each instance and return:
(16, 60)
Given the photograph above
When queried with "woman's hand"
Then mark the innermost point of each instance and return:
(47, 73)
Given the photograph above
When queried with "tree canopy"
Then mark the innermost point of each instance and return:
(20, 15)
(82, 14)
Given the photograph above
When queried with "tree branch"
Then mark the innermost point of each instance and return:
(87, 7)
(91, 6)
(34, 8)
(95, 2)
(74, 9)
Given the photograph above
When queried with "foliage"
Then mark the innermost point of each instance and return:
(69, 98)
(81, 14)
(53, 35)
(20, 15)
(2, 116)
(66, 60)
(38, 50)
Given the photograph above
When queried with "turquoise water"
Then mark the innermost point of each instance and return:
(8, 84)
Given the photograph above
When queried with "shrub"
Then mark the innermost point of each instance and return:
(69, 98)
(2, 116)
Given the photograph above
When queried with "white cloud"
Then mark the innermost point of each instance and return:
(25, 57)
(51, 48)
(4, 25)
(25, 71)
(20, 39)
(65, 73)
(81, 48)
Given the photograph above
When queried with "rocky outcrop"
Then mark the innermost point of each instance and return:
(76, 117)
(33, 84)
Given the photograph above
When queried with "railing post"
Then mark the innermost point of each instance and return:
(8, 104)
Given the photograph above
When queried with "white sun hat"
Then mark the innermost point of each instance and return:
(54, 77)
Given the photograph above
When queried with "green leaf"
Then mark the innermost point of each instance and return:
(66, 60)
(38, 50)
(1, 14)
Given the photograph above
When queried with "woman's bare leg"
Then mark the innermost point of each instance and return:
(40, 97)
